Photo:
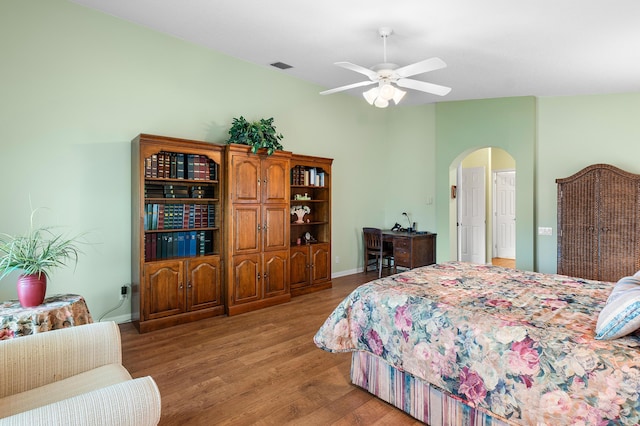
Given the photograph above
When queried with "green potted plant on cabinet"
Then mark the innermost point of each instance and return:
(35, 254)
(256, 134)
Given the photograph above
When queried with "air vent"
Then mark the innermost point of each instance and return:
(281, 65)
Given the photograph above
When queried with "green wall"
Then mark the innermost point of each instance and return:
(463, 127)
(77, 85)
(574, 132)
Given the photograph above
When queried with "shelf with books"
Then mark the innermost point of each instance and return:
(177, 226)
(310, 225)
(308, 175)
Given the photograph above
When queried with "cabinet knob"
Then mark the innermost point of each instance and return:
(265, 276)
(258, 227)
(258, 276)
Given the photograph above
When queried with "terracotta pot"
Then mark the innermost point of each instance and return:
(31, 289)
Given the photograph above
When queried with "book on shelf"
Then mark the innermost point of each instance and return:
(160, 167)
(179, 166)
(204, 243)
(166, 245)
(173, 166)
(153, 246)
(192, 243)
(181, 244)
(161, 216)
(213, 170)
(312, 176)
(174, 244)
(211, 219)
(201, 191)
(154, 166)
(147, 167)
(163, 242)
(154, 216)
(185, 216)
(192, 223)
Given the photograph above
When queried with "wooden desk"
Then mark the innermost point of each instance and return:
(411, 250)
(58, 311)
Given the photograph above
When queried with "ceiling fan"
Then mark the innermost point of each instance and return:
(386, 74)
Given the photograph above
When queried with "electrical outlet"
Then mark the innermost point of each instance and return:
(337, 259)
(542, 230)
(123, 292)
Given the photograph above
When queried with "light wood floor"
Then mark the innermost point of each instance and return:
(257, 368)
(507, 263)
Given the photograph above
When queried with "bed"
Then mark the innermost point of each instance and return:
(458, 343)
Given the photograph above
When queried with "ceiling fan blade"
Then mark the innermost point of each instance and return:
(347, 87)
(427, 65)
(423, 86)
(357, 68)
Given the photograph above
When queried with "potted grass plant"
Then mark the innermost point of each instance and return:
(35, 254)
(256, 134)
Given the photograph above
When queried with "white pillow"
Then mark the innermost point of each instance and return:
(621, 314)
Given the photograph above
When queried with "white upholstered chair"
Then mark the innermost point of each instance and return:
(73, 376)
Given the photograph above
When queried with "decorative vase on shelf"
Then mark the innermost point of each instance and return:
(300, 211)
(31, 289)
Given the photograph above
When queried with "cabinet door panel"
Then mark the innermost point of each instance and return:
(203, 283)
(321, 263)
(164, 289)
(618, 235)
(299, 267)
(276, 273)
(246, 229)
(275, 227)
(246, 279)
(275, 174)
(245, 182)
(578, 228)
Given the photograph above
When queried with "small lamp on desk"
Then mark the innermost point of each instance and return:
(411, 228)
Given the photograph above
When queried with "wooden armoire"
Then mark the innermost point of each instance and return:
(257, 229)
(599, 223)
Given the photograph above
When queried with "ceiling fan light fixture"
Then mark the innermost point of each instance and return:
(381, 96)
(398, 95)
(381, 102)
(371, 95)
(387, 91)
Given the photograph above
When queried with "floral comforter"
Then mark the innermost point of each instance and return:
(516, 344)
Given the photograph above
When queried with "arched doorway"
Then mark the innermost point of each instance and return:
(484, 207)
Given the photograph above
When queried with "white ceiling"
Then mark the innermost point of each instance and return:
(493, 48)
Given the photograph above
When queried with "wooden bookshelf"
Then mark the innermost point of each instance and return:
(177, 222)
(310, 245)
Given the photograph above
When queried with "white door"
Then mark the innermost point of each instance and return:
(505, 214)
(471, 208)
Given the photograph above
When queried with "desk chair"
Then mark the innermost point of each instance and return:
(375, 247)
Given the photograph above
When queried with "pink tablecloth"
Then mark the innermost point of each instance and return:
(57, 311)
